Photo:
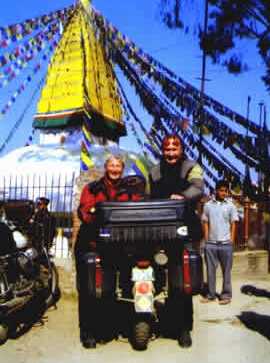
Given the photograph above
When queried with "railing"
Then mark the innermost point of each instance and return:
(253, 229)
(58, 189)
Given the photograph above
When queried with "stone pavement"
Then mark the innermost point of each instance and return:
(237, 333)
(240, 331)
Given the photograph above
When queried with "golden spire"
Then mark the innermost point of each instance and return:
(85, 3)
(80, 81)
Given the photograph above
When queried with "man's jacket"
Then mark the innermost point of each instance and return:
(185, 178)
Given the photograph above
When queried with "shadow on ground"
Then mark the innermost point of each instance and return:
(252, 290)
(257, 322)
(31, 315)
(252, 320)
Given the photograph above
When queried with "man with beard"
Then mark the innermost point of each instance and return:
(178, 178)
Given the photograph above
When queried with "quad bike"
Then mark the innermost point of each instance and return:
(141, 257)
(28, 276)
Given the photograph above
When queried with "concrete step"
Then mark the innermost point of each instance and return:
(251, 263)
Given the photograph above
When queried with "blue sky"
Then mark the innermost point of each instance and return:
(139, 20)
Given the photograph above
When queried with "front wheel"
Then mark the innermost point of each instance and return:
(141, 335)
(53, 287)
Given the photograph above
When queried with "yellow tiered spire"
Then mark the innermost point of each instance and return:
(86, 3)
(80, 81)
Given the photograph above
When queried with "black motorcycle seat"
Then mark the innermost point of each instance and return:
(7, 243)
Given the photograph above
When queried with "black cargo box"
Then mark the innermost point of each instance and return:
(141, 212)
(138, 221)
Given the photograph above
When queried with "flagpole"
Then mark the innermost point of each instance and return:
(260, 177)
(247, 119)
(266, 181)
(260, 173)
(246, 186)
(203, 79)
(247, 115)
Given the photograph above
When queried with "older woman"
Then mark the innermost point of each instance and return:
(111, 187)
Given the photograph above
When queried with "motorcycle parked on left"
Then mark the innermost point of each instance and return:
(28, 275)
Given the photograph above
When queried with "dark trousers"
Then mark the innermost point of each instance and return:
(215, 254)
(179, 314)
(180, 304)
(96, 315)
(86, 302)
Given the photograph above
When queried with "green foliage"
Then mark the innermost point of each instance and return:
(170, 13)
(229, 22)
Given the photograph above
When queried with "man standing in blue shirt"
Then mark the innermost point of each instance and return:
(219, 217)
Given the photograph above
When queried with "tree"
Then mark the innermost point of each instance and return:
(229, 22)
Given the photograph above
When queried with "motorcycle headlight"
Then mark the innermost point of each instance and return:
(182, 231)
(20, 239)
(161, 258)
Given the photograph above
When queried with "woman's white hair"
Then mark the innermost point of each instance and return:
(114, 157)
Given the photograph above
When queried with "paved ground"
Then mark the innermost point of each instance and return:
(239, 332)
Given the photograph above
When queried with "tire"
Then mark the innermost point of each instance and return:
(141, 335)
(3, 333)
(53, 287)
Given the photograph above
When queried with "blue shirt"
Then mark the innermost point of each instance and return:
(220, 215)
